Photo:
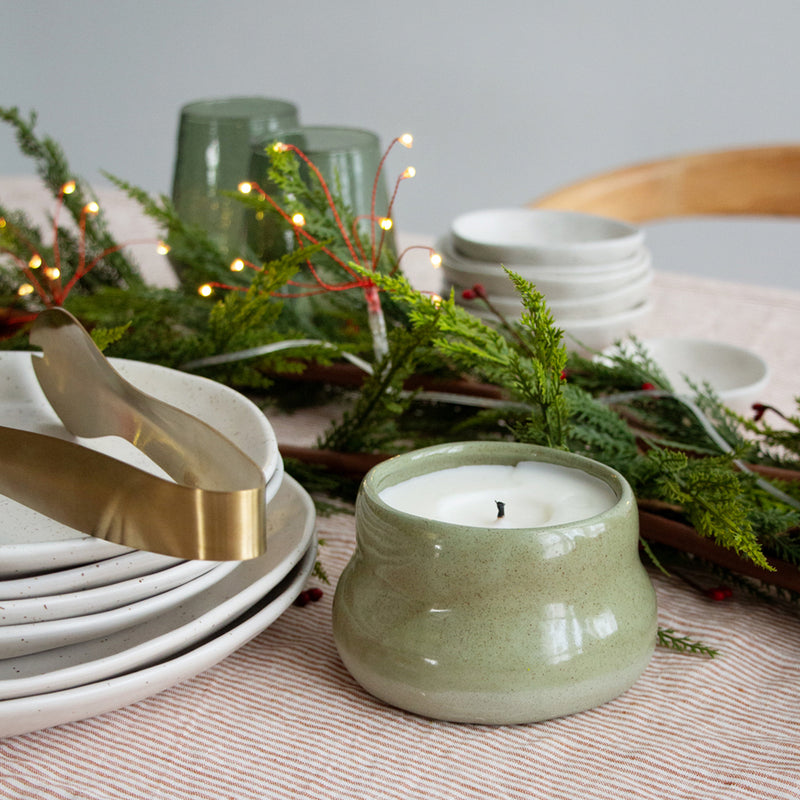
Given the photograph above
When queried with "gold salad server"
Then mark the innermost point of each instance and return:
(217, 508)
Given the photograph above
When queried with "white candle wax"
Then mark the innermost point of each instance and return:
(534, 494)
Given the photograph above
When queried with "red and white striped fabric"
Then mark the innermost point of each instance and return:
(282, 718)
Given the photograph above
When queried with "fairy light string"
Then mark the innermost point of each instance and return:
(360, 256)
(50, 289)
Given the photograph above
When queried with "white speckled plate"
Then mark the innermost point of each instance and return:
(33, 544)
(86, 576)
(26, 714)
(24, 638)
(49, 607)
(291, 534)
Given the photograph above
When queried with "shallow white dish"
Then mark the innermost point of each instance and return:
(736, 375)
(29, 542)
(562, 286)
(566, 312)
(602, 303)
(87, 576)
(26, 714)
(590, 335)
(539, 236)
(23, 639)
(45, 608)
(291, 529)
(460, 263)
(595, 334)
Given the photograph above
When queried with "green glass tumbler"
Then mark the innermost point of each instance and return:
(215, 138)
(347, 158)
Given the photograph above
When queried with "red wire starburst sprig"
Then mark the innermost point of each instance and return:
(358, 253)
(49, 288)
(352, 240)
(365, 257)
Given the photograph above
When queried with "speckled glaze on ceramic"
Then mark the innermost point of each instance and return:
(493, 626)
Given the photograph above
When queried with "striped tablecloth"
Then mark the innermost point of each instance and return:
(282, 718)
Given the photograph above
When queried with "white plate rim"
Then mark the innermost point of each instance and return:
(35, 637)
(79, 602)
(461, 263)
(137, 563)
(182, 635)
(28, 714)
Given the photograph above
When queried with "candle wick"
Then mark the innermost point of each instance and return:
(501, 509)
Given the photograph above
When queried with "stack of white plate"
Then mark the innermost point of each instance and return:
(594, 272)
(86, 625)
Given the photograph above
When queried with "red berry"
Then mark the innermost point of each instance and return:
(479, 290)
(469, 294)
(758, 411)
(648, 387)
(308, 596)
(719, 593)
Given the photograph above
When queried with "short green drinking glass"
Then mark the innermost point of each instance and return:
(347, 158)
(215, 138)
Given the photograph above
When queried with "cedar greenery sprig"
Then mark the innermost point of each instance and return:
(530, 364)
(667, 637)
(711, 494)
(199, 258)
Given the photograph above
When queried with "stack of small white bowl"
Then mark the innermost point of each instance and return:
(594, 272)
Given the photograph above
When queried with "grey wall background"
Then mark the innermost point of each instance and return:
(506, 100)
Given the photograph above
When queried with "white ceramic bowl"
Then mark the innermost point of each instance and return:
(596, 333)
(538, 236)
(604, 277)
(554, 290)
(572, 308)
(587, 335)
(737, 376)
(602, 304)
(584, 308)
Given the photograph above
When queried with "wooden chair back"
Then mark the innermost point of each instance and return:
(753, 181)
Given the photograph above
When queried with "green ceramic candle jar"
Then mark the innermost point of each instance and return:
(489, 624)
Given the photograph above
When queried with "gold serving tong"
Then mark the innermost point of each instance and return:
(217, 508)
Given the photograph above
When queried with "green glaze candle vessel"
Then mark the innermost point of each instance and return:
(494, 625)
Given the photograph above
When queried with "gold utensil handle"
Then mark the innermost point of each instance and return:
(92, 399)
(109, 499)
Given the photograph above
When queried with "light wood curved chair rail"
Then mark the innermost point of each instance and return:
(752, 181)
